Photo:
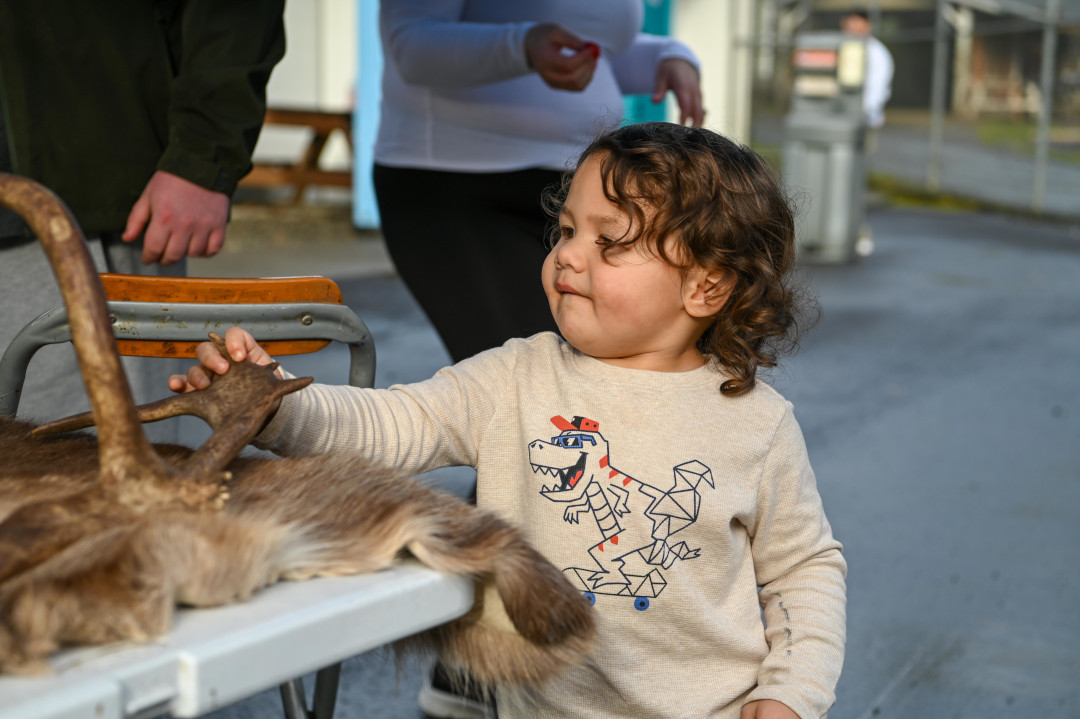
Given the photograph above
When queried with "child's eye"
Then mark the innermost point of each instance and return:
(567, 233)
(610, 247)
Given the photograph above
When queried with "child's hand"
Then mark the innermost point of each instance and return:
(240, 346)
(767, 709)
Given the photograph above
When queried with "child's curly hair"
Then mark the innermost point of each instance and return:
(725, 208)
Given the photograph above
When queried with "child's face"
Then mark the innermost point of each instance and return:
(626, 309)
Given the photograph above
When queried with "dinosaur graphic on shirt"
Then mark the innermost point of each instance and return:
(630, 554)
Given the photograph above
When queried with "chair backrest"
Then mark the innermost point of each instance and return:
(169, 316)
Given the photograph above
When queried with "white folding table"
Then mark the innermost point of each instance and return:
(214, 657)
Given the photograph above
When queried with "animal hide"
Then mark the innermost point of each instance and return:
(101, 538)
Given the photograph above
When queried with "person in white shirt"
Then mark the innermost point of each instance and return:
(879, 68)
(877, 89)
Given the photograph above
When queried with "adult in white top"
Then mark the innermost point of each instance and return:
(879, 69)
(485, 102)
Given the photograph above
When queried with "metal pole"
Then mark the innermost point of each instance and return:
(874, 12)
(937, 101)
(1046, 106)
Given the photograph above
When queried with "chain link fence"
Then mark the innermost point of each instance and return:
(985, 99)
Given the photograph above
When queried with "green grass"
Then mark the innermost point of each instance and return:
(1019, 137)
(907, 194)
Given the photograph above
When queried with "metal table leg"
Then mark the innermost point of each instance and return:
(324, 700)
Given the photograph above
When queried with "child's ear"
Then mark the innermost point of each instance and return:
(706, 291)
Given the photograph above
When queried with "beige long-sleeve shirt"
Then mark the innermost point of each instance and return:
(687, 517)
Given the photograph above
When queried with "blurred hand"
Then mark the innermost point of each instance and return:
(767, 709)
(238, 343)
(563, 69)
(681, 78)
(179, 218)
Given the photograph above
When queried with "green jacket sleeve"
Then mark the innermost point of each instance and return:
(226, 51)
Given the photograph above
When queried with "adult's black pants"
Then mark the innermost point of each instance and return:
(470, 246)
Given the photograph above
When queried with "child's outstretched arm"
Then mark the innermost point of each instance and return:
(238, 343)
(413, 427)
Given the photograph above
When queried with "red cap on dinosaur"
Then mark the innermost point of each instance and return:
(579, 423)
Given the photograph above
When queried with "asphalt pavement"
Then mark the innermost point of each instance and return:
(940, 399)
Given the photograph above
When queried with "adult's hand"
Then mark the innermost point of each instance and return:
(179, 218)
(681, 78)
(562, 59)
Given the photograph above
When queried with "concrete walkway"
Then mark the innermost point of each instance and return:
(940, 398)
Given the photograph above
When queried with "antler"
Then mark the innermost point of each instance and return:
(129, 468)
(236, 404)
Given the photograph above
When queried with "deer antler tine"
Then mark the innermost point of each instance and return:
(219, 343)
(236, 405)
(175, 406)
(65, 424)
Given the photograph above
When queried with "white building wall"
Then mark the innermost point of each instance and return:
(719, 32)
(318, 72)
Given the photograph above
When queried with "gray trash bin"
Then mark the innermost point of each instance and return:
(824, 153)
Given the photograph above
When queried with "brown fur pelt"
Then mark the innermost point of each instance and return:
(101, 538)
(122, 572)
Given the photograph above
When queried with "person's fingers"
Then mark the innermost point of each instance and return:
(575, 75)
(197, 377)
(562, 59)
(179, 218)
(590, 54)
(690, 108)
(154, 242)
(210, 358)
(661, 85)
(579, 79)
(137, 219)
(559, 37)
(238, 343)
(196, 246)
(177, 246)
(685, 111)
(241, 345)
(214, 243)
(178, 383)
(679, 77)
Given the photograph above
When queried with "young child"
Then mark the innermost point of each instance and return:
(678, 495)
